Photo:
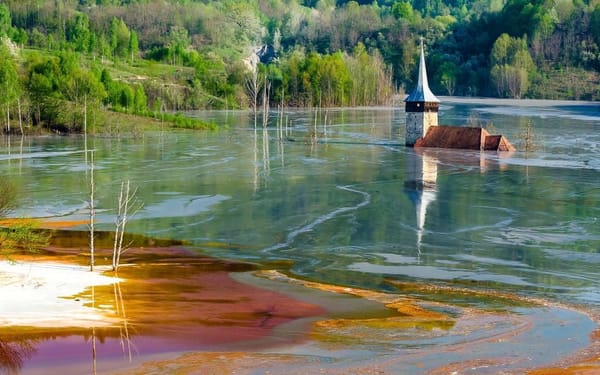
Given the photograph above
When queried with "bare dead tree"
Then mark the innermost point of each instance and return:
(20, 115)
(92, 210)
(528, 137)
(127, 199)
(265, 102)
(280, 117)
(117, 228)
(253, 87)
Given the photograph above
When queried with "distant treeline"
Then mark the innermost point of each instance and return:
(150, 56)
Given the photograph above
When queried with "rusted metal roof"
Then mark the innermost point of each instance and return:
(463, 137)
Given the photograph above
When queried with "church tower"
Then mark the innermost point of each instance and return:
(421, 107)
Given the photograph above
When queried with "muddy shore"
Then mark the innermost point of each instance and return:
(174, 310)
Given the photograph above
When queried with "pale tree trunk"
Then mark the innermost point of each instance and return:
(20, 115)
(253, 89)
(85, 114)
(117, 228)
(85, 140)
(266, 90)
(280, 120)
(123, 223)
(126, 197)
(8, 118)
(92, 210)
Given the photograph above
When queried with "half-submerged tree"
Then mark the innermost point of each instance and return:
(126, 202)
(527, 136)
(254, 83)
(92, 210)
(266, 93)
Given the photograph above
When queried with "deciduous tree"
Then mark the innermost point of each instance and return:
(78, 33)
(511, 66)
(10, 88)
(119, 38)
(133, 46)
(5, 21)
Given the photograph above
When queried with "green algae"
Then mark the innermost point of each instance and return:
(488, 300)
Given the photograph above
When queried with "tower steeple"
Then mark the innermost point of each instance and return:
(421, 106)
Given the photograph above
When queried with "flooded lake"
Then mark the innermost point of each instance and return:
(334, 197)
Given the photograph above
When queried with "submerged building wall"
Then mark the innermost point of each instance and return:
(418, 124)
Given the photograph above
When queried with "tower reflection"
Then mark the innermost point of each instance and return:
(420, 186)
(421, 183)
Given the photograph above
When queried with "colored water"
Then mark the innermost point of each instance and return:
(342, 207)
(345, 202)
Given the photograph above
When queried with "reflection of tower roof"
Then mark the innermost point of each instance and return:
(422, 93)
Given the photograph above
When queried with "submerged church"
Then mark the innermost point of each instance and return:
(422, 129)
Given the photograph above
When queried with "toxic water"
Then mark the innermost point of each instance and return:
(336, 193)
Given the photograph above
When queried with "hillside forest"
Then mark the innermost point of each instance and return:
(62, 61)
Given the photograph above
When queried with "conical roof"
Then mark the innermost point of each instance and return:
(422, 93)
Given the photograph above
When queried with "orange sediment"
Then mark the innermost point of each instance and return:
(63, 224)
(192, 303)
(43, 224)
(408, 313)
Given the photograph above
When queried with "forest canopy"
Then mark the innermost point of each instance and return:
(60, 59)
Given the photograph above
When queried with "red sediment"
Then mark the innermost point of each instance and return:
(199, 303)
(184, 301)
(171, 296)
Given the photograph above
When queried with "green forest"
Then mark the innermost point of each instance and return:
(68, 62)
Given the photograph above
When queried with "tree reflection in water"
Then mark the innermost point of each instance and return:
(13, 355)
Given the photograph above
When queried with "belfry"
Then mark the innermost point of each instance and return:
(422, 129)
(421, 107)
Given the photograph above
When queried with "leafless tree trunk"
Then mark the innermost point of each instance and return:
(85, 114)
(8, 118)
(126, 197)
(92, 210)
(280, 121)
(117, 228)
(253, 84)
(20, 115)
(265, 102)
